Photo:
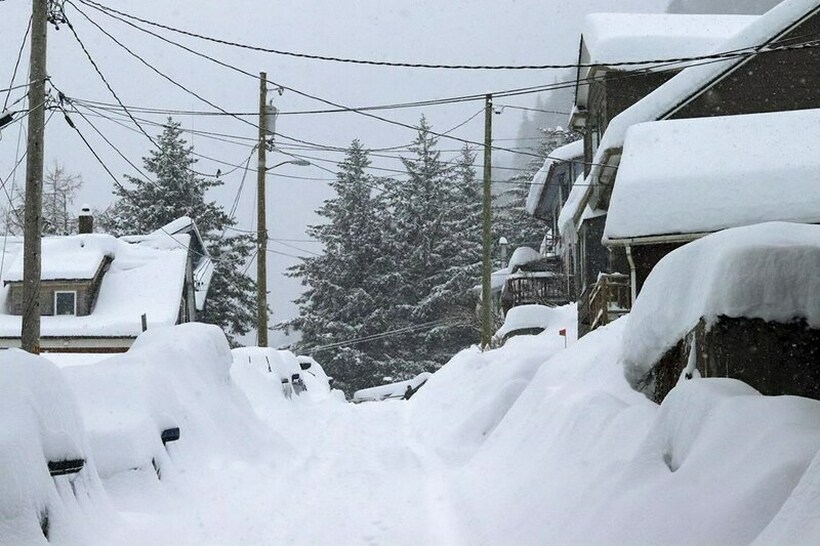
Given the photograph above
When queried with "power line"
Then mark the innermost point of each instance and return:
(560, 66)
(17, 65)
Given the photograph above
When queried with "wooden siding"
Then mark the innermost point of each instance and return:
(774, 358)
(774, 82)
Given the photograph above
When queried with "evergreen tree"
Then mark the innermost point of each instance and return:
(342, 297)
(176, 190)
(460, 247)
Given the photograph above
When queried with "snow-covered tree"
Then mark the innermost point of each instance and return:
(342, 297)
(59, 195)
(176, 190)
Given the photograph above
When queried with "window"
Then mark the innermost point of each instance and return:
(65, 303)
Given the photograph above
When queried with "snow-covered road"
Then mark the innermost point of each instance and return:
(357, 476)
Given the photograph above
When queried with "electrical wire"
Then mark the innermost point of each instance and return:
(16, 65)
(560, 66)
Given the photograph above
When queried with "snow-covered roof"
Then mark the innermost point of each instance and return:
(700, 175)
(689, 83)
(568, 152)
(141, 279)
(522, 256)
(628, 37)
(78, 257)
(767, 271)
(571, 209)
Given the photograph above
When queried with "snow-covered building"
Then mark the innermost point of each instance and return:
(98, 292)
(761, 67)
(742, 303)
(552, 183)
(679, 180)
(614, 49)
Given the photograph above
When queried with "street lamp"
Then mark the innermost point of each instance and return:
(261, 254)
(298, 162)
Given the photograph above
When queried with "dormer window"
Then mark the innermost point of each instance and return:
(65, 302)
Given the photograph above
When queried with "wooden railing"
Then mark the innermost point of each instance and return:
(550, 290)
(609, 299)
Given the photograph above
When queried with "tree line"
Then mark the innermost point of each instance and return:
(393, 292)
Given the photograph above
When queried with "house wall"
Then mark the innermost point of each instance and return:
(774, 358)
(780, 81)
(646, 257)
(84, 289)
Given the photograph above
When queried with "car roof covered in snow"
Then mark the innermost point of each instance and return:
(700, 175)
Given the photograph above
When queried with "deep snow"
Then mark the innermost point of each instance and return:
(528, 444)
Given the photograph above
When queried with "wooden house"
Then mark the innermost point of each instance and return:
(98, 292)
(766, 72)
(680, 180)
(741, 303)
(613, 75)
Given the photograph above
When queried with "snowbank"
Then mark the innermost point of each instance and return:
(677, 176)
(598, 463)
(462, 403)
(767, 271)
(41, 424)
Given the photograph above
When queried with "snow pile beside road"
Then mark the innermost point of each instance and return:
(462, 403)
(40, 423)
(767, 271)
(599, 463)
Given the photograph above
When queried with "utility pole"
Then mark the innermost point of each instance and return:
(33, 215)
(261, 219)
(486, 266)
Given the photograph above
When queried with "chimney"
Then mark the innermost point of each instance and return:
(86, 223)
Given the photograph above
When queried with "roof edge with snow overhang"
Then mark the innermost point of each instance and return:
(693, 81)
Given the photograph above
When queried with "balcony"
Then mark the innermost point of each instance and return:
(609, 299)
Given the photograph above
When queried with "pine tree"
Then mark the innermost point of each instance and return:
(176, 190)
(342, 298)
(460, 249)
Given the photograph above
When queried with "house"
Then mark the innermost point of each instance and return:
(767, 74)
(615, 71)
(552, 183)
(679, 180)
(742, 303)
(99, 292)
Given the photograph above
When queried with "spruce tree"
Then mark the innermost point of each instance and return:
(176, 190)
(342, 297)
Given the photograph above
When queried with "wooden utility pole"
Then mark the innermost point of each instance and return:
(33, 215)
(261, 219)
(486, 265)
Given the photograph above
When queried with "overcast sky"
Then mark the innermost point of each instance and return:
(431, 31)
